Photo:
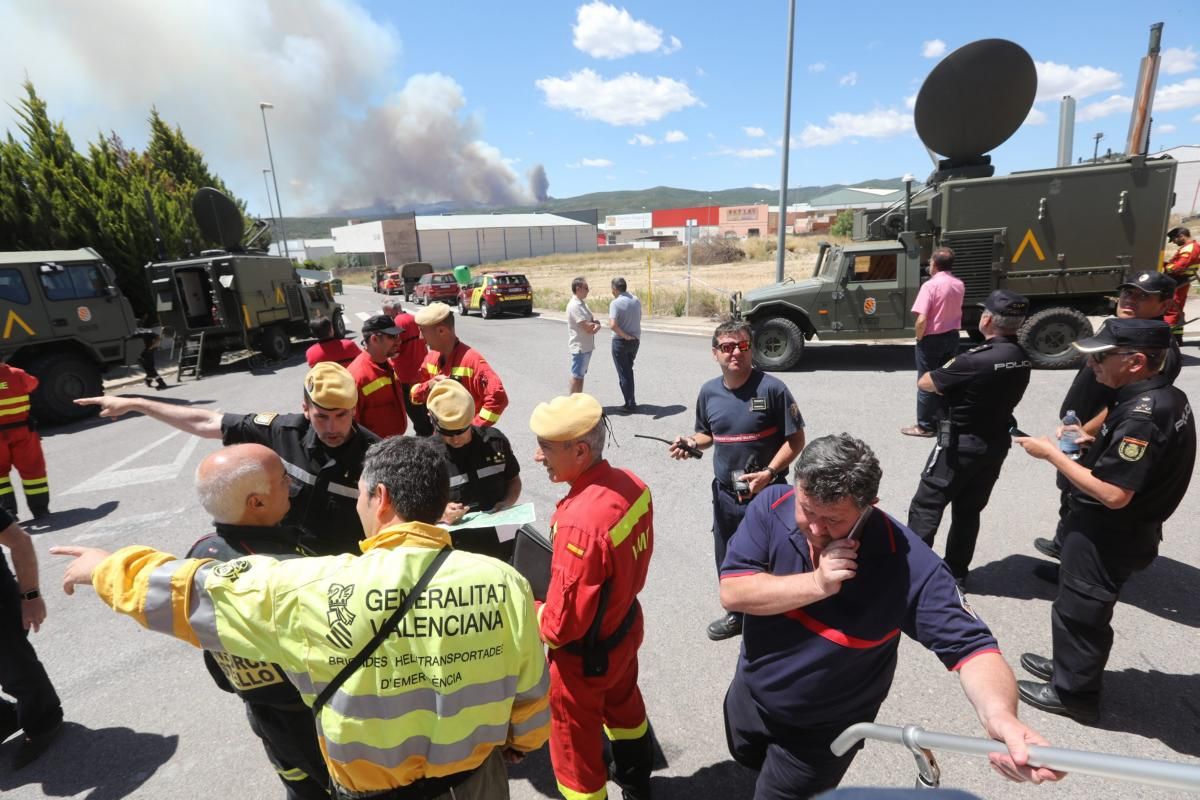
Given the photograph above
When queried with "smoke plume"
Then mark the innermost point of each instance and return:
(344, 131)
(539, 184)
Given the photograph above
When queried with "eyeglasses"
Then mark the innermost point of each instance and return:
(728, 347)
(1099, 357)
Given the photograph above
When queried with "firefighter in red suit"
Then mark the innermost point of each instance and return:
(380, 399)
(603, 536)
(1182, 267)
(450, 358)
(410, 354)
(20, 446)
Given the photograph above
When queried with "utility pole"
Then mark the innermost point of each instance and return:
(270, 208)
(1096, 150)
(263, 106)
(787, 136)
(689, 227)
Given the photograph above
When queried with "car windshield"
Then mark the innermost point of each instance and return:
(510, 280)
(445, 278)
(829, 265)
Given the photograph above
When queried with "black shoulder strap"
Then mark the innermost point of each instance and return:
(383, 632)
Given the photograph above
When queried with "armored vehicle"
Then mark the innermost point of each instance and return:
(65, 322)
(235, 297)
(1064, 237)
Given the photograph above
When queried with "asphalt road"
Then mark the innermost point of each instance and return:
(145, 721)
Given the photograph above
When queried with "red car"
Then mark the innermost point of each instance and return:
(436, 287)
(390, 283)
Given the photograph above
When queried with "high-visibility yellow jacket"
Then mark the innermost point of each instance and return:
(463, 673)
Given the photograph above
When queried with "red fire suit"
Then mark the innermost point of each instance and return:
(603, 535)
(1182, 267)
(380, 399)
(473, 371)
(20, 446)
(412, 349)
(343, 351)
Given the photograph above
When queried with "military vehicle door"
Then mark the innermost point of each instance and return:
(81, 299)
(871, 296)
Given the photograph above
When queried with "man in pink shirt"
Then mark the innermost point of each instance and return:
(939, 316)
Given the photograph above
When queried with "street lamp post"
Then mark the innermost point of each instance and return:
(270, 208)
(787, 135)
(1096, 150)
(274, 177)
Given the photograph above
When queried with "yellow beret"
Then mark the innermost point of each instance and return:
(450, 405)
(330, 385)
(432, 314)
(567, 418)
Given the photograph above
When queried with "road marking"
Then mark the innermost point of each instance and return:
(114, 476)
(135, 523)
(363, 315)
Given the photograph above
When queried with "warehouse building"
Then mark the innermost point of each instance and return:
(382, 242)
(673, 222)
(1187, 181)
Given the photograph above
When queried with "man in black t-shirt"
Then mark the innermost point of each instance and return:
(1129, 481)
(757, 430)
(981, 388)
(484, 474)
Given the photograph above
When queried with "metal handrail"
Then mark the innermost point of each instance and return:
(1167, 774)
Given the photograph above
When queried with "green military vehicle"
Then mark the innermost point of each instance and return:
(65, 322)
(1064, 237)
(235, 297)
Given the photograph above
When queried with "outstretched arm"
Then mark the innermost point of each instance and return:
(196, 421)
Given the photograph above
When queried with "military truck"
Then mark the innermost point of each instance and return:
(65, 322)
(236, 297)
(1064, 237)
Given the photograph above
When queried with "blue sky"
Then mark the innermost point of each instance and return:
(416, 102)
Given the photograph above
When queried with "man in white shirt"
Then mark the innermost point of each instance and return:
(581, 333)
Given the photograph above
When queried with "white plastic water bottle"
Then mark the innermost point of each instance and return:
(1068, 441)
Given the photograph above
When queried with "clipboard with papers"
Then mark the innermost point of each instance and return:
(531, 557)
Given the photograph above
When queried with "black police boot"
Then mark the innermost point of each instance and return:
(1038, 666)
(160, 385)
(726, 627)
(633, 759)
(1047, 547)
(1045, 697)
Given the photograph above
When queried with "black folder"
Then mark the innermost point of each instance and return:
(531, 557)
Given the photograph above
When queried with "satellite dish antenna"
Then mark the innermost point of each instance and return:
(219, 219)
(974, 100)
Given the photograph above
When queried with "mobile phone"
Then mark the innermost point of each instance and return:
(1015, 431)
(859, 524)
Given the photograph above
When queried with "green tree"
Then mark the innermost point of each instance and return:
(844, 224)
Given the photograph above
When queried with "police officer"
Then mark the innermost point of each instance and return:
(484, 474)
(1129, 481)
(981, 388)
(756, 427)
(1146, 295)
(245, 490)
(322, 449)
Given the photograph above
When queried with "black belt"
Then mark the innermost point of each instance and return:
(729, 490)
(27, 423)
(615, 638)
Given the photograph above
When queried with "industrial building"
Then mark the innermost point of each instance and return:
(449, 240)
(1187, 181)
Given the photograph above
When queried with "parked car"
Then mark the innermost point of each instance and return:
(495, 293)
(389, 283)
(435, 287)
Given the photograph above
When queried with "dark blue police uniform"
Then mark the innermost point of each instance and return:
(480, 472)
(748, 425)
(805, 675)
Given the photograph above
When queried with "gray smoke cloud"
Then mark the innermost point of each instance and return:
(539, 184)
(345, 131)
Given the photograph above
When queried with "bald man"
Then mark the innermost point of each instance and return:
(246, 491)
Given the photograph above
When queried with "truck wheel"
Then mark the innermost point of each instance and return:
(778, 344)
(339, 325)
(1047, 336)
(274, 343)
(64, 377)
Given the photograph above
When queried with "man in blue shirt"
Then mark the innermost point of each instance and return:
(625, 319)
(754, 426)
(827, 583)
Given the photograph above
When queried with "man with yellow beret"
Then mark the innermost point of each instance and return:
(603, 536)
(448, 357)
(322, 449)
(484, 473)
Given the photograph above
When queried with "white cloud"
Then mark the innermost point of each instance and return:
(910, 102)
(878, 124)
(763, 186)
(1178, 95)
(1056, 80)
(674, 137)
(849, 79)
(700, 73)
(1036, 117)
(628, 99)
(1114, 104)
(753, 132)
(748, 152)
(642, 139)
(817, 67)
(1176, 61)
(934, 48)
(605, 31)
(1196, 119)
(595, 162)
(1167, 128)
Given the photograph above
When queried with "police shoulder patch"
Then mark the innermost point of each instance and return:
(265, 418)
(1143, 405)
(1132, 449)
(575, 549)
(966, 606)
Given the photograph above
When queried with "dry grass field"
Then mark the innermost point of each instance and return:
(659, 277)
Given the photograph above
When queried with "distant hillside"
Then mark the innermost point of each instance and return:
(622, 202)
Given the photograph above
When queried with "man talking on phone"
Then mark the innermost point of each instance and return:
(827, 582)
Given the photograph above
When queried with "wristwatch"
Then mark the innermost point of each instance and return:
(32, 594)
(773, 471)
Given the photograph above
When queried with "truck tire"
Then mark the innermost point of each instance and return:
(339, 325)
(63, 378)
(1047, 336)
(274, 343)
(778, 344)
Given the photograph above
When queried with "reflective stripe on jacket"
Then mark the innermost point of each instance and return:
(473, 371)
(380, 398)
(15, 387)
(463, 673)
(1185, 262)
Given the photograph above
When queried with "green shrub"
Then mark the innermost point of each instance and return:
(844, 224)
